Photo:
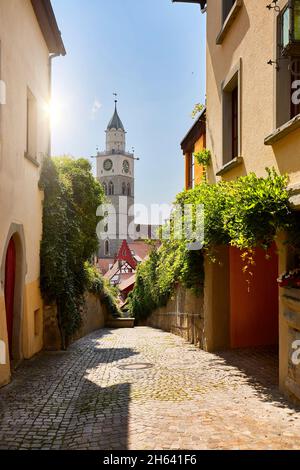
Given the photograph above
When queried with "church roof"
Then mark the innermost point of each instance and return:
(115, 122)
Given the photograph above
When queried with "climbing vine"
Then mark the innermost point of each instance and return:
(198, 108)
(245, 213)
(71, 198)
(156, 277)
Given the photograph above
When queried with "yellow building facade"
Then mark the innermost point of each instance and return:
(29, 36)
(253, 122)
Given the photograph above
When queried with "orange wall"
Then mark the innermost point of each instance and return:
(254, 314)
(199, 145)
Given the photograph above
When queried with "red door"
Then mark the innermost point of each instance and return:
(10, 276)
(254, 308)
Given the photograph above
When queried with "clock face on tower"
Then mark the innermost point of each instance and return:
(107, 165)
(126, 166)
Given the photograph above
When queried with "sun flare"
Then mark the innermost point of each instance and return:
(54, 112)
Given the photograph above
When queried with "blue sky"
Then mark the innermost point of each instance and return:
(152, 53)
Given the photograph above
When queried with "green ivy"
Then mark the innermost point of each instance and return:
(246, 213)
(98, 285)
(71, 198)
(157, 277)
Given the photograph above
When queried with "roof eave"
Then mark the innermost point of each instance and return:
(202, 3)
(49, 27)
(195, 132)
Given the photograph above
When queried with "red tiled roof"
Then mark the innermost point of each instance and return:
(113, 271)
(140, 248)
(104, 264)
(127, 283)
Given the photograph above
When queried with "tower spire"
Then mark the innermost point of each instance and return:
(116, 100)
(115, 122)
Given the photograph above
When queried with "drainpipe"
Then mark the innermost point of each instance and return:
(51, 57)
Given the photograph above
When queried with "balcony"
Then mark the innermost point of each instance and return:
(115, 152)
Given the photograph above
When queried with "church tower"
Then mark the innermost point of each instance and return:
(115, 171)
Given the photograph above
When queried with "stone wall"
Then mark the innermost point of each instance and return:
(93, 318)
(289, 343)
(183, 316)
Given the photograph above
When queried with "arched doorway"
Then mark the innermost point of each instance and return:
(12, 276)
(9, 290)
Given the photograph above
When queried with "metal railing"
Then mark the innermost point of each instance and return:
(116, 152)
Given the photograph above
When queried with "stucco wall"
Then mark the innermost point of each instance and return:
(183, 316)
(251, 39)
(4, 368)
(33, 320)
(93, 316)
(24, 63)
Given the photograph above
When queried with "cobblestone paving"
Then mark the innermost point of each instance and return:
(146, 389)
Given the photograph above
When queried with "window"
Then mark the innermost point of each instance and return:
(288, 72)
(111, 189)
(290, 28)
(234, 122)
(190, 170)
(31, 137)
(230, 10)
(124, 189)
(106, 247)
(128, 190)
(105, 188)
(231, 117)
(285, 24)
(295, 77)
(226, 8)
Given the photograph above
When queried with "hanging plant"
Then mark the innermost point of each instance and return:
(203, 157)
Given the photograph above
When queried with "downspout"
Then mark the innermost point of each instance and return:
(51, 57)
